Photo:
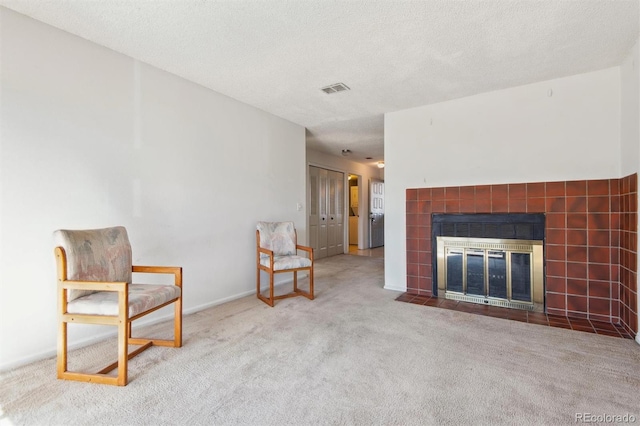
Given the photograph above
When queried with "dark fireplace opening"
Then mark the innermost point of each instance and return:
(494, 259)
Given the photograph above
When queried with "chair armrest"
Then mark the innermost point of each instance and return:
(307, 249)
(265, 251)
(176, 271)
(120, 287)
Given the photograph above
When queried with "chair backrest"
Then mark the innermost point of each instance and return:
(280, 237)
(95, 255)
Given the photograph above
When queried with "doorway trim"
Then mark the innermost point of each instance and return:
(361, 213)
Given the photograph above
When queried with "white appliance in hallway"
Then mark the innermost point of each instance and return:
(376, 213)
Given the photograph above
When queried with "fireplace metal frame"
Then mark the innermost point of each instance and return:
(532, 247)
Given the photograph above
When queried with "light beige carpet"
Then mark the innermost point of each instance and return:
(352, 356)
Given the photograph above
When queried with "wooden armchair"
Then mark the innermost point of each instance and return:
(94, 287)
(277, 248)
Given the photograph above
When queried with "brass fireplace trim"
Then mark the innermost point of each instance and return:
(535, 247)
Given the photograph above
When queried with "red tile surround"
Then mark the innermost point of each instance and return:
(590, 240)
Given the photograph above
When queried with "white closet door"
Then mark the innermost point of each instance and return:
(326, 212)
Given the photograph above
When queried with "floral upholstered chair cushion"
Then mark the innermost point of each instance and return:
(280, 237)
(281, 263)
(95, 255)
(142, 297)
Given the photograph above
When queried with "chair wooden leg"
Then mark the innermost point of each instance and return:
(61, 359)
(268, 300)
(177, 324)
(258, 283)
(307, 294)
(124, 333)
(123, 358)
(271, 299)
(62, 349)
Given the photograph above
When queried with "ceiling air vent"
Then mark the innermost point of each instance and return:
(335, 88)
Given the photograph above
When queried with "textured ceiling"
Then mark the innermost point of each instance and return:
(277, 54)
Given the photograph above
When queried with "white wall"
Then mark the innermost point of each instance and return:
(630, 121)
(346, 166)
(516, 135)
(92, 138)
(630, 112)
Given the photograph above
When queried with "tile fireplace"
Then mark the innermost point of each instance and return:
(590, 240)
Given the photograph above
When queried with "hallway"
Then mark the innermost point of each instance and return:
(374, 252)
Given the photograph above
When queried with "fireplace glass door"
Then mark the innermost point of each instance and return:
(489, 271)
(497, 265)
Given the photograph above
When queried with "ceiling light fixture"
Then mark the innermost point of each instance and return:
(346, 152)
(335, 88)
(381, 164)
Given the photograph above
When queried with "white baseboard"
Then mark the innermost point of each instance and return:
(263, 287)
(204, 306)
(395, 288)
(52, 352)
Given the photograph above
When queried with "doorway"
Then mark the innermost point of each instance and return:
(353, 182)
